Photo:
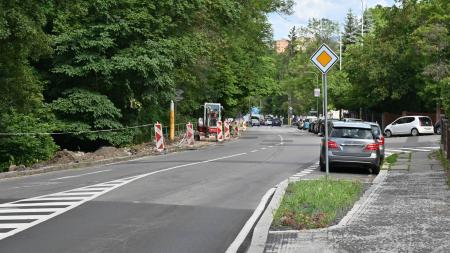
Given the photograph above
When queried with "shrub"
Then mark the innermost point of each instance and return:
(80, 110)
(25, 149)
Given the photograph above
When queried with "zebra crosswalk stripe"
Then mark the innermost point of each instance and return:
(22, 214)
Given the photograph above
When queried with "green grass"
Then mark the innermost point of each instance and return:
(392, 159)
(439, 154)
(316, 203)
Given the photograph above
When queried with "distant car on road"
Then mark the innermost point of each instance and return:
(276, 122)
(351, 144)
(410, 125)
(255, 121)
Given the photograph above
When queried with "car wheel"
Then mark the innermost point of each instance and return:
(414, 132)
(388, 133)
(438, 130)
(376, 170)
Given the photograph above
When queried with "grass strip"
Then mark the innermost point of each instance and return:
(318, 203)
(439, 154)
(392, 159)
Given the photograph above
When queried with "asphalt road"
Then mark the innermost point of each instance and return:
(194, 201)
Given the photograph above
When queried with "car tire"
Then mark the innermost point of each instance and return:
(438, 130)
(376, 170)
(414, 132)
(388, 133)
(322, 165)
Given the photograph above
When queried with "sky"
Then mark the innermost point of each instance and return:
(335, 10)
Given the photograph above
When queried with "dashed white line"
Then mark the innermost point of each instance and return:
(253, 151)
(263, 148)
(80, 175)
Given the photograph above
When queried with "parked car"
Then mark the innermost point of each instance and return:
(276, 122)
(376, 131)
(351, 144)
(438, 127)
(306, 124)
(413, 125)
(268, 122)
(311, 126)
(255, 121)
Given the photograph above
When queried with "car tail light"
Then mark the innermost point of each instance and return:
(372, 147)
(332, 145)
(381, 140)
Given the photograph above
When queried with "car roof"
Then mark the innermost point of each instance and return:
(351, 124)
(372, 123)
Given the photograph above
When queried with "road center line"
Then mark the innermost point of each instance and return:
(80, 175)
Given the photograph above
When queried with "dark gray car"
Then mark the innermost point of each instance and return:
(351, 144)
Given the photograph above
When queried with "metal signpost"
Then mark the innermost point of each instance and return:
(324, 58)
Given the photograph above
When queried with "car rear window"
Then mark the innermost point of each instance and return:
(351, 133)
(425, 121)
(376, 131)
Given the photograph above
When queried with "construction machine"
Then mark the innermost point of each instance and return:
(207, 126)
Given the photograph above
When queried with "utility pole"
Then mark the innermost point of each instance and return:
(340, 50)
(362, 21)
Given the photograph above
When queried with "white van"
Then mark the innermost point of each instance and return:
(410, 125)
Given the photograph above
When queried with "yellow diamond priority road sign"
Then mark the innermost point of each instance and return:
(324, 58)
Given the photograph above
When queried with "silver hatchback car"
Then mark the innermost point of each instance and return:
(351, 144)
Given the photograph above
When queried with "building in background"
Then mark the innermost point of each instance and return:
(281, 45)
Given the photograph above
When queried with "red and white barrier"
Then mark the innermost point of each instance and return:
(219, 131)
(236, 130)
(190, 134)
(227, 130)
(159, 138)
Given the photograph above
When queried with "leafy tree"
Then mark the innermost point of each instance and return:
(83, 111)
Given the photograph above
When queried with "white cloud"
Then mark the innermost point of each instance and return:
(306, 9)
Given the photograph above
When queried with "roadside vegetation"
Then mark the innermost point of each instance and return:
(88, 65)
(391, 160)
(310, 204)
(439, 154)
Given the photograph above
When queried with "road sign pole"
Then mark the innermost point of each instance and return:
(325, 92)
(324, 58)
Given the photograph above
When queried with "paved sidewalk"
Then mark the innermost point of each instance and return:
(409, 212)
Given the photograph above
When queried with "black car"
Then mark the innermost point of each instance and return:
(276, 122)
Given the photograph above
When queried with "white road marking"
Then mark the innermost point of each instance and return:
(253, 151)
(234, 246)
(80, 175)
(263, 148)
(270, 146)
(398, 150)
(87, 193)
(416, 149)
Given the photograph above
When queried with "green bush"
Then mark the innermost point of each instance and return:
(25, 149)
(80, 110)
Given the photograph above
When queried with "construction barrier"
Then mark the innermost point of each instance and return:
(190, 134)
(219, 131)
(244, 126)
(159, 137)
(227, 130)
(236, 129)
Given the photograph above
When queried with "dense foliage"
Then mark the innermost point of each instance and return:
(105, 64)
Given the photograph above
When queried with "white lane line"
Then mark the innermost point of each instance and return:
(80, 175)
(14, 207)
(398, 150)
(234, 246)
(270, 146)
(416, 149)
(263, 148)
(253, 151)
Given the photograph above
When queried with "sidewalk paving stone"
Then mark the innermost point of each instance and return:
(409, 212)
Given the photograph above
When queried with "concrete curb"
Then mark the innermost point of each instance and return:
(262, 229)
